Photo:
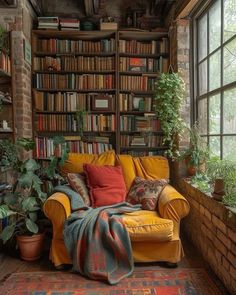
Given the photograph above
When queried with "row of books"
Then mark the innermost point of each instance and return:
(5, 63)
(68, 122)
(137, 83)
(54, 23)
(73, 81)
(146, 123)
(144, 47)
(66, 101)
(141, 140)
(45, 147)
(137, 64)
(135, 153)
(130, 102)
(99, 122)
(54, 45)
(79, 63)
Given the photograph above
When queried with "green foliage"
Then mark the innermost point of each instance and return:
(202, 182)
(79, 116)
(169, 94)
(197, 151)
(4, 42)
(26, 198)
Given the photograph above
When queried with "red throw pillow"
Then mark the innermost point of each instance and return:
(106, 184)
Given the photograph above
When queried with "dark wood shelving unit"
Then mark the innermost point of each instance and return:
(51, 44)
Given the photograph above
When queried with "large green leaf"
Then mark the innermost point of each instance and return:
(4, 211)
(26, 179)
(31, 165)
(32, 227)
(29, 204)
(33, 216)
(27, 143)
(11, 199)
(7, 233)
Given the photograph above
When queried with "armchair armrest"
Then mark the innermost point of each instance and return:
(172, 205)
(57, 209)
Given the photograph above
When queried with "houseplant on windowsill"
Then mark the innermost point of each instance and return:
(169, 93)
(197, 153)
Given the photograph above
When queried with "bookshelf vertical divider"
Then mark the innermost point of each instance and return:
(91, 71)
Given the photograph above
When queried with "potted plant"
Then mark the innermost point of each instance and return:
(229, 199)
(197, 153)
(169, 92)
(26, 198)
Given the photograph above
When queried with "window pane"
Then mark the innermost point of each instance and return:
(202, 116)
(229, 19)
(214, 145)
(214, 114)
(214, 26)
(215, 62)
(202, 37)
(203, 77)
(230, 62)
(229, 109)
(229, 144)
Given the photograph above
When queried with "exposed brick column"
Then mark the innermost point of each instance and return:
(19, 21)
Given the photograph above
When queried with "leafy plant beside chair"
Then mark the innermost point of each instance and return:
(26, 199)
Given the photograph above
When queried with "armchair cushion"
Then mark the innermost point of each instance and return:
(146, 225)
(106, 184)
(146, 192)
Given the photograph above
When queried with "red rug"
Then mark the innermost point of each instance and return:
(142, 282)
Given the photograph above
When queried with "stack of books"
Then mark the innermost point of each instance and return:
(48, 22)
(138, 141)
(69, 24)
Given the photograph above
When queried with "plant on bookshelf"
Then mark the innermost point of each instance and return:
(169, 93)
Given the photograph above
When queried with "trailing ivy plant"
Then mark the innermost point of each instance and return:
(4, 42)
(79, 116)
(169, 92)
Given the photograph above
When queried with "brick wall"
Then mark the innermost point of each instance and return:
(19, 21)
(212, 229)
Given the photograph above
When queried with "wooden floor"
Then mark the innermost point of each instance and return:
(10, 263)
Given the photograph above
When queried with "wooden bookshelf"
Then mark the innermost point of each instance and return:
(73, 70)
(7, 95)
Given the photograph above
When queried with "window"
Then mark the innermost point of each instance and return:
(215, 76)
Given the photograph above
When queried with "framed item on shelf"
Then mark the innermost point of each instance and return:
(101, 103)
(137, 64)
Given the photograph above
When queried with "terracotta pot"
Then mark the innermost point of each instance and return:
(30, 246)
(193, 169)
(218, 189)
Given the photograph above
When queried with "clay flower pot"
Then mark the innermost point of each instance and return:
(30, 246)
(218, 189)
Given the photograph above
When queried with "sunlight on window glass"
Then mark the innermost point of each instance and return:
(202, 118)
(215, 70)
(229, 144)
(214, 145)
(229, 19)
(214, 114)
(202, 37)
(203, 77)
(229, 111)
(229, 64)
(215, 26)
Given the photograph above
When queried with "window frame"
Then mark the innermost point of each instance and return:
(200, 10)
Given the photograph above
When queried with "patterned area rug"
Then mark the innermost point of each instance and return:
(142, 282)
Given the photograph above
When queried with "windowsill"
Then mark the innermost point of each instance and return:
(225, 213)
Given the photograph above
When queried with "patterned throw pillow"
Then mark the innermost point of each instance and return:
(146, 192)
(78, 184)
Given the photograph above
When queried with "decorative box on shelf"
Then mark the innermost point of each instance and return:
(108, 26)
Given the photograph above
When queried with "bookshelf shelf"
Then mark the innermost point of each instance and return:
(48, 53)
(67, 78)
(7, 90)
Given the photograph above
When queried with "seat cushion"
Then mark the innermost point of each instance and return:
(146, 225)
